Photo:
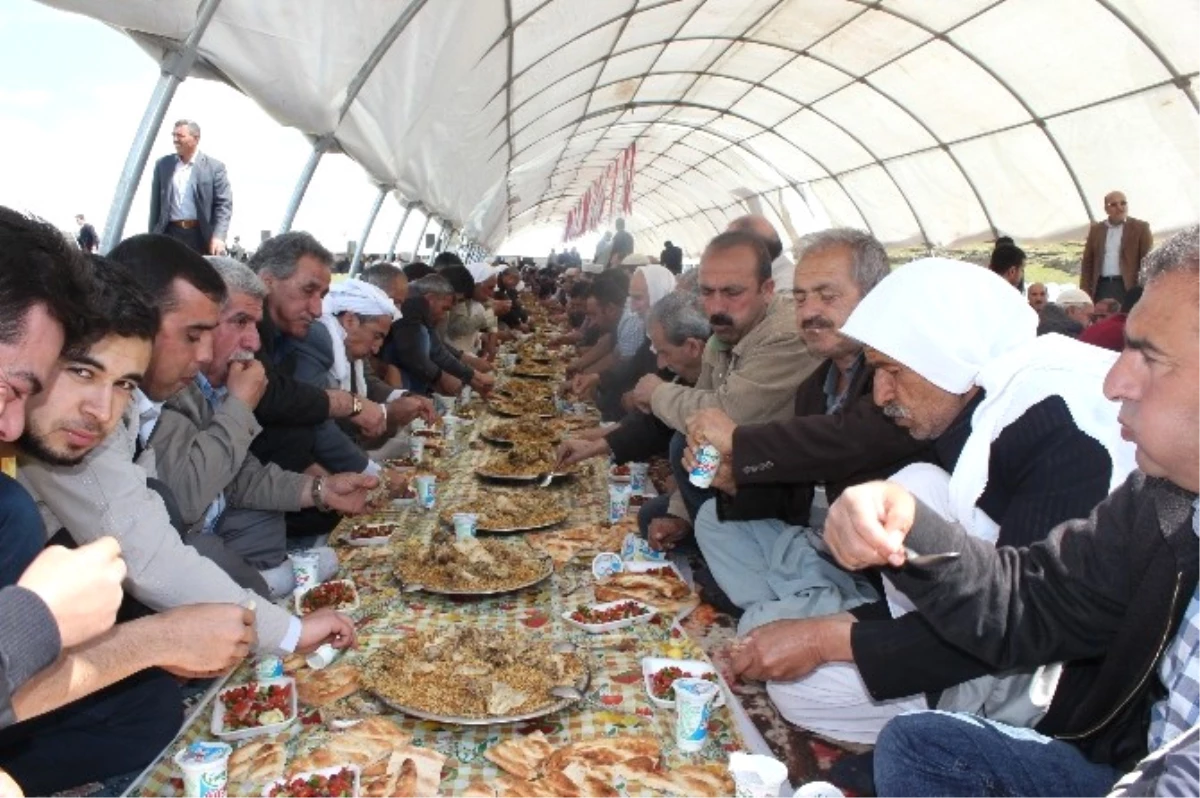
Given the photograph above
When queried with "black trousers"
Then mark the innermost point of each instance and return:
(1110, 288)
(191, 236)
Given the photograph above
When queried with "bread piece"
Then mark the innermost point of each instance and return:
(601, 751)
(710, 780)
(323, 687)
(671, 587)
(378, 779)
(511, 787)
(581, 780)
(522, 756)
(406, 784)
(382, 730)
(478, 788)
(259, 761)
(428, 763)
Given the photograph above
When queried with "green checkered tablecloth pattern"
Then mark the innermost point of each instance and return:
(616, 703)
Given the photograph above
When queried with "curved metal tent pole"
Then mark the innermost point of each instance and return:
(175, 68)
(408, 208)
(356, 263)
(421, 235)
(328, 141)
(319, 148)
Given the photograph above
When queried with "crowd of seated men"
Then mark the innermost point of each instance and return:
(181, 422)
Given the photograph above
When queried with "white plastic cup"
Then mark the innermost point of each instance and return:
(618, 503)
(450, 426)
(693, 705)
(708, 460)
(205, 769)
(427, 490)
(322, 657)
(818, 789)
(269, 666)
(638, 473)
(756, 775)
(305, 567)
(416, 448)
(443, 404)
(464, 396)
(464, 525)
(508, 360)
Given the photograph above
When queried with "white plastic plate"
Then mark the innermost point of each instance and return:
(218, 716)
(344, 608)
(598, 628)
(697, 668)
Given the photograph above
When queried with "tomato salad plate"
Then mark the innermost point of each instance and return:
(610, 615)
(660, 673)
(248, 710)
(334, 782)
(340, 594)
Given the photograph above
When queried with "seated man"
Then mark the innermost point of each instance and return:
(202, 448)
(605, 309)
(82, 470)
(1110, 332)
(417, 358)
(1008, 261)
(679, 331)
(132, 709)
(770, 568)
(753, 362)
(1020, 442)
(1077, 304)
(1112, 594)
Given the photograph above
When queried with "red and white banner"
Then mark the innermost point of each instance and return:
(610, 195)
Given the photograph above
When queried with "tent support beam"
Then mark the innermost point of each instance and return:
(356, 263)
(421, 235)
(175, 68)
(408, 209)
(319, 148)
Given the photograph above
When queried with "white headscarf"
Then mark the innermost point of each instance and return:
(482, 271)
(363, 299)
(959, 325)
(659, 281)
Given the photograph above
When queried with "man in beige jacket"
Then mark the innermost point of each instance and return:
(752, 365)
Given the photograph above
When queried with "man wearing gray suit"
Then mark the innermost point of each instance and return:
(191, 200)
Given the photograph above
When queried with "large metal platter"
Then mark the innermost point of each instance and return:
(526, 528)
(557, 706)
(484, 435)
(546, 574)
(554, 477)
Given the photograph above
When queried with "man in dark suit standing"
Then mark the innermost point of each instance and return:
(87, 239)
(191, 200)
(1114, 250)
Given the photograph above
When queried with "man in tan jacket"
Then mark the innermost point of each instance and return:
(752, 365)
(1114, 250)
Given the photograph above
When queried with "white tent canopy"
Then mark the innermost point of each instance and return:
(923, 121)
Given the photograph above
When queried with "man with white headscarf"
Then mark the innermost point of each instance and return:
(1022, 439)
(471, 324)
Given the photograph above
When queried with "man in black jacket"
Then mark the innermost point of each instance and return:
(1022, 441)
(1113, 595)
(755, 535)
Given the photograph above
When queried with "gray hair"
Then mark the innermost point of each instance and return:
(192, 127)
(1179, 253)
(279, 255)
(238, 278)
(431, 285)
(681, 318)
(381, 275)
(870, 263)
(688, 282)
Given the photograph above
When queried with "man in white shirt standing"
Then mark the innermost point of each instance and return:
(190, 199)
(1112, 256)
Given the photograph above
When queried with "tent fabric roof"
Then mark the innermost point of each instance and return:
(924, 122)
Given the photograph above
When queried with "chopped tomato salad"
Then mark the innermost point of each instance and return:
(339, 784)
(330, 594)
(661, 681)
(255, 704)
(617, 612)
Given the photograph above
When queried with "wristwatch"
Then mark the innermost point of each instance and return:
(357, 406)
(318, 494)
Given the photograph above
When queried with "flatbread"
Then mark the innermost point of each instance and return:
(378, 779)
(605, 751)
(428, 763)
(523, 756)
(323, 687)
(563, 545)
(711, 781)
(504, 699)
(381, 730)
(260, 761)
(580, 781)
(406, 785)
(667, 593)
(478, 788)
(511, 787)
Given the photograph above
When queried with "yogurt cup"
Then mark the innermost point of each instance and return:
(426, 490)
(618, 502)
(508, 360)
(322, 657)
(607, 563)
(693, 705)
(464, 525)
(756, 775)
(443, 404)
(205, 769)
(464, 396)
(416, 448)
(268, 666)
(638, 473)
(818, 789)
(708, 460)
(304, 568)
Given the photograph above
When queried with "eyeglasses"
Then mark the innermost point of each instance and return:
(1122, 204)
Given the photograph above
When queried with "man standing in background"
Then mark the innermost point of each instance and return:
(87, 239)
(190, 199)
(1112, 256)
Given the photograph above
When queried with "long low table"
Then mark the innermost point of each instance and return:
(616, 701)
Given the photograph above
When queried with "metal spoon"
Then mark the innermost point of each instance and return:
(567, 692)
(544, 480)
(920, 560)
